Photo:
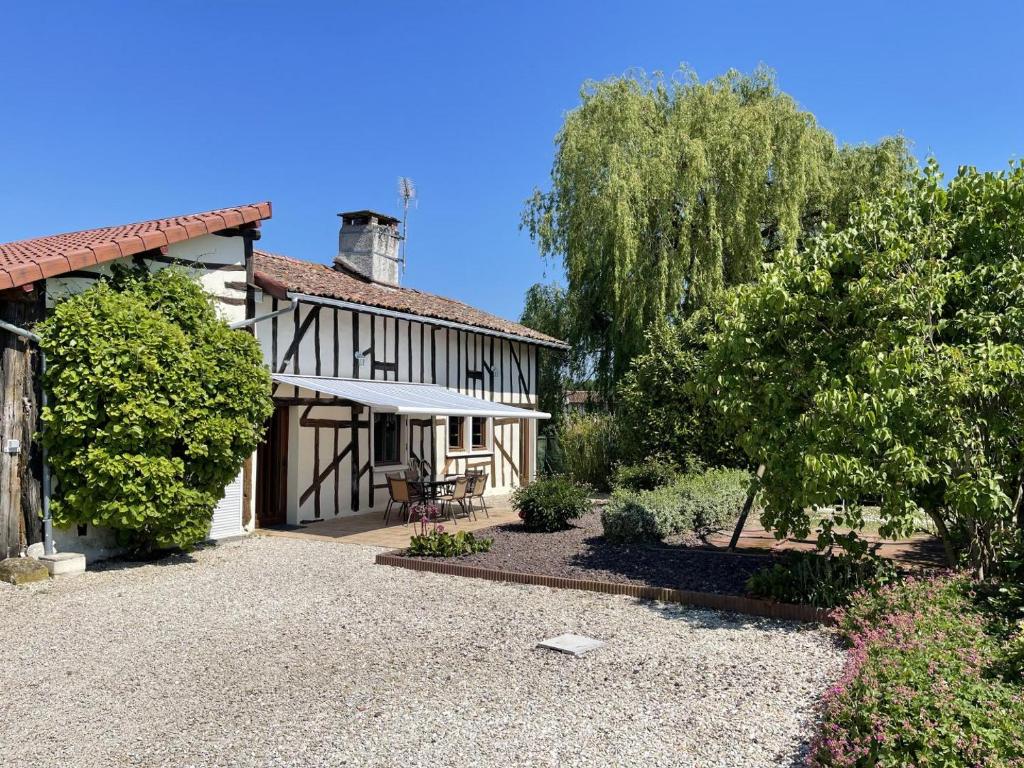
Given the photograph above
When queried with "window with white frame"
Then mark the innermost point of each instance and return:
(387, 439)
(456, 434)
(469, 434)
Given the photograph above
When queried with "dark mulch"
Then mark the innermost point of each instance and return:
(582, 553)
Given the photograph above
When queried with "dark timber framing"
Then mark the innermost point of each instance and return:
(478, 363)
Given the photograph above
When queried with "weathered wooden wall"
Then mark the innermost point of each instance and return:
(20, 473)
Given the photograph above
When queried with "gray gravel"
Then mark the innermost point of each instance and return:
(279, 652)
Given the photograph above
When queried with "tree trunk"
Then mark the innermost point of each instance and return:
(947, 542)
(21, 466)
(1018, 507)
(751, 495)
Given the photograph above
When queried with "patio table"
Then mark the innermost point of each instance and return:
(430, 490)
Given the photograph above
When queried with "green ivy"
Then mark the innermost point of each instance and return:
(154, 405)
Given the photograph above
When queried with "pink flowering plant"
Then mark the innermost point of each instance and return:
(922, 685)
(434, 541)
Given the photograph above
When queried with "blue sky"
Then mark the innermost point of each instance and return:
(115, 112)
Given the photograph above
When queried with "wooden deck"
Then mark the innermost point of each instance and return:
(369, 529)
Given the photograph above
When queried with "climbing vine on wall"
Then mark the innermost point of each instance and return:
(154, 405)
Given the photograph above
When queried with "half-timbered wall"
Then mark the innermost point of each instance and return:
(325, 340)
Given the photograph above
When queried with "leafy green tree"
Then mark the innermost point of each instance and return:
(658, 405)
(546, 310)
(886, 361)
(154, 404)
(665, 190)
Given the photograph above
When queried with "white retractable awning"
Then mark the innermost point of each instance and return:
(407, 398)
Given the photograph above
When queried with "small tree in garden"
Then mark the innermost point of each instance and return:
(887, 361)
(659, 411)
(154, 404)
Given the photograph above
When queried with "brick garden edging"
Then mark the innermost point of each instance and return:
(746, 605)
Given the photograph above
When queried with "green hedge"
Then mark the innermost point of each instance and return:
(693, 503)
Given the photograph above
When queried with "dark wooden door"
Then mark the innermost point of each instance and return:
(272, 472)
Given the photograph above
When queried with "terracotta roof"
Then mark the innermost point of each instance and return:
(25, 261)
(582, 397)
(277, 274)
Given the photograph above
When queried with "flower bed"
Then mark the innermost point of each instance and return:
(922, 685)
(581, 552)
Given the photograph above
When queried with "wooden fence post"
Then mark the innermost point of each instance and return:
(20, 398)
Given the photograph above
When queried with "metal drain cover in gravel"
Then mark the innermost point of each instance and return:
(575, 645)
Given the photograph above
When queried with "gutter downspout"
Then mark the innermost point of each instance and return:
(47, 519)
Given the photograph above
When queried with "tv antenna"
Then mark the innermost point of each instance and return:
(407, 194)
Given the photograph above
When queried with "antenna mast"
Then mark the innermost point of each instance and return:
(407, 194)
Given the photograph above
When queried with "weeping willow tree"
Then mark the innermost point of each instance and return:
(664, 191)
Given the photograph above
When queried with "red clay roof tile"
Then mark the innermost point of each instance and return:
(152, 240)
(25, 261)
(54, 265)
(79, 258)
(274, 271)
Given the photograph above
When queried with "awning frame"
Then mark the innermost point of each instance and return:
(406, 398)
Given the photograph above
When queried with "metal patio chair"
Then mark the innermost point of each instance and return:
(401, 494)
(459, 495)
(477, 486)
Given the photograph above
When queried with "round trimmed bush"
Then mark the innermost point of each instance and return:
(550, 504)
(693, 503)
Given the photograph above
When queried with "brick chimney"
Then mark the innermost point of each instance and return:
(368, 246)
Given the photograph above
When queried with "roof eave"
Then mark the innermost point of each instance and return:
(200, 224)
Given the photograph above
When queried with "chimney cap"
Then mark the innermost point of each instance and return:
(382, 218)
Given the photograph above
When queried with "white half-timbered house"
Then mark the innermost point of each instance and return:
(368, 376)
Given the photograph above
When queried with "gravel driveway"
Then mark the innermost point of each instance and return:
(277, 652)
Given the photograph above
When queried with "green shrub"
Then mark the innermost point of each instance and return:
(919, 688)
(440, 543)
(587, 446)
(658, 410)
(825, 581)
(550, 504)
(692, 503)
(154, 404)
(647, 476)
